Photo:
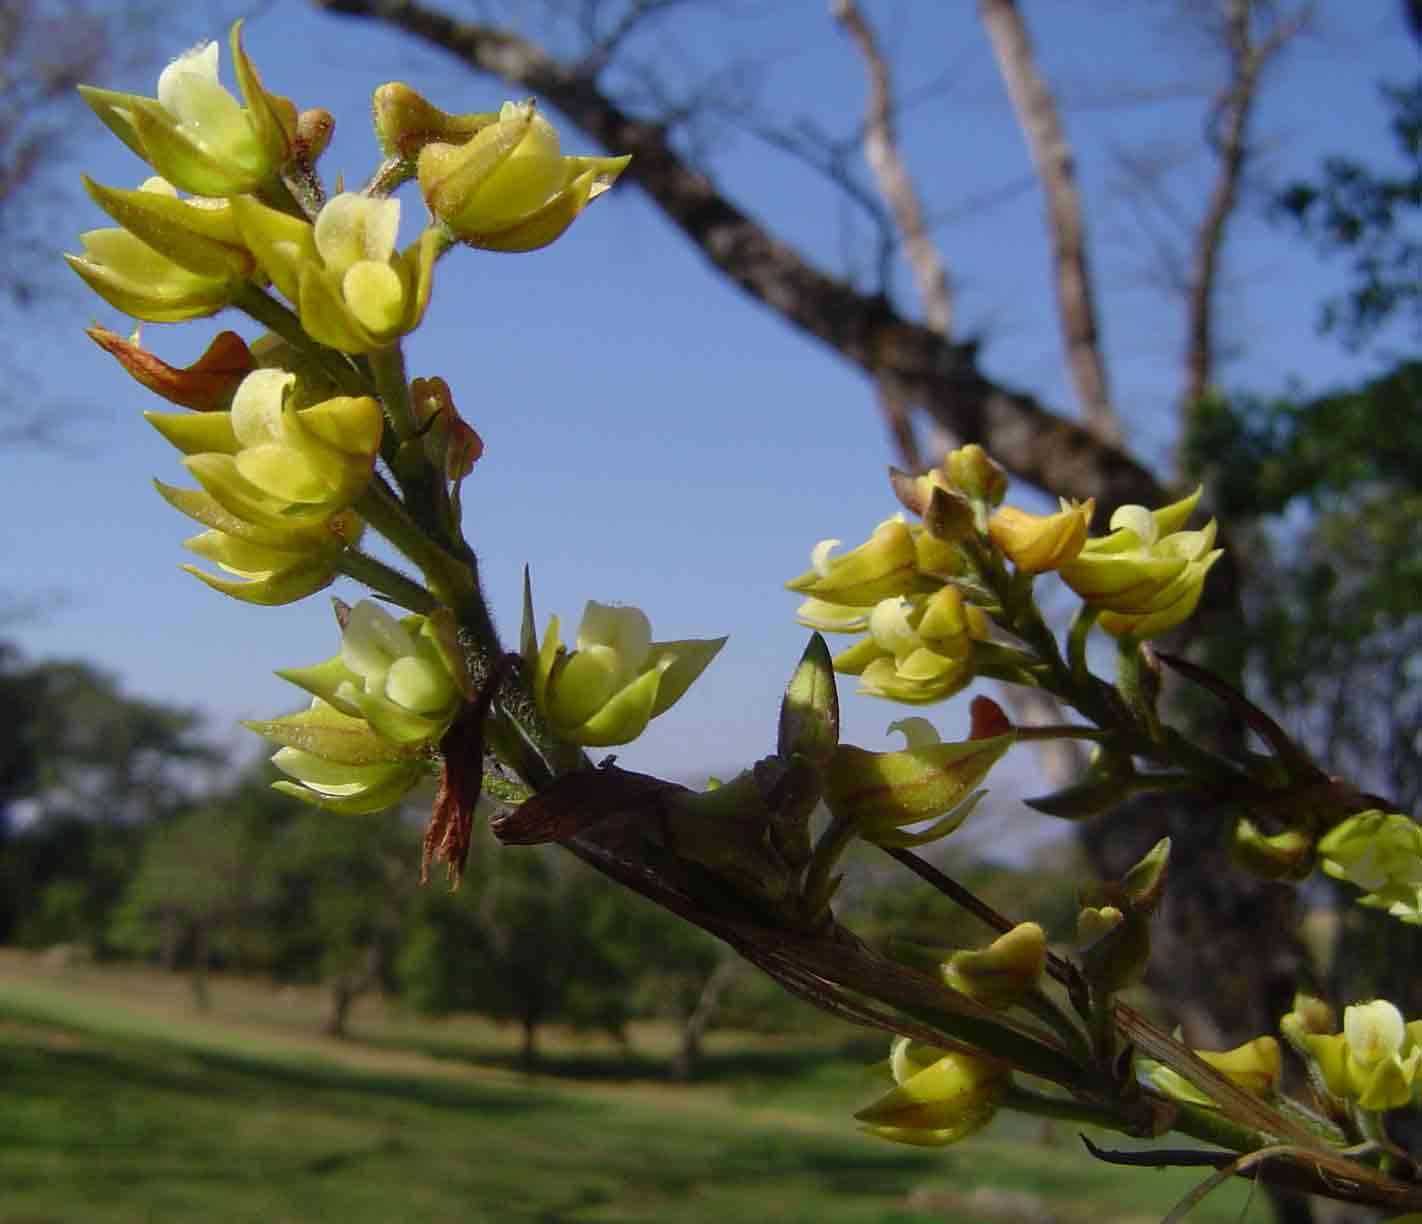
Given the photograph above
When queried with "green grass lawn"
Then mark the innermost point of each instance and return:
(116, 1104)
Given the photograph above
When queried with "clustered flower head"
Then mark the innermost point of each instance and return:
(897, 587)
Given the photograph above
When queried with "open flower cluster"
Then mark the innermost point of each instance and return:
(918, 630)
(496, 181)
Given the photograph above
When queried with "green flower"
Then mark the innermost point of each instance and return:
(919, 648)
(351, 288)
(1381, 853)
(392, 673)
(339, 762)
(273, 463)
(508, 187)
(617, 679)
(1147, 575)
(195, 133)
(1375, 1060)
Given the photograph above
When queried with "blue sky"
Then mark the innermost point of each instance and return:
(653, 437)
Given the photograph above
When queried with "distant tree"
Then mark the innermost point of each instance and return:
(532, 937)
(336, 898)
(194, 889)
(87, 765)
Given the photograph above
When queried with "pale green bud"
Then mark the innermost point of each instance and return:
(884, 793)
(949, 1099)
(508, 187)
(1005, 972)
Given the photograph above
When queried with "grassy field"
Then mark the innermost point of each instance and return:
(117, 1103)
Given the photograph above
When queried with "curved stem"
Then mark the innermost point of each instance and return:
(386, 581)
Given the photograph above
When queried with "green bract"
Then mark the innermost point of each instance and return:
(339, 762)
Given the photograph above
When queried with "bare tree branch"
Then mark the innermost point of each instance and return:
(1040, 447)
(1228, 133)
(881, 151)
(1052, 155)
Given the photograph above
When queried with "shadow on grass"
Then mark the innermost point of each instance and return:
(781, 1064)
(163, 1066)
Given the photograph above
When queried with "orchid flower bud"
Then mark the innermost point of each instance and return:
(1005, 972)
(884, 793)
(974, 472)
(133, 277)
(195, 133)
(617, 679)
(1256, 1066)
(1037, 543)
(933, 1105)
(508, 187)
(262, 574)
(884, 565)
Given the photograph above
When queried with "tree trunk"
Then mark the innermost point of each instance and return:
(201, 999)
(688, 1059)
(346, 988)
(528, 1052)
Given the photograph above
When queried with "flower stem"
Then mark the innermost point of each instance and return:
(272, 315)
(387, 581)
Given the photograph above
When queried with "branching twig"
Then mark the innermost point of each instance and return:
(1052, 155)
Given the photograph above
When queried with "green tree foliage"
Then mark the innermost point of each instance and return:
(1328, 491)
(87, 765)
(1370, 214)
(337, 896)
